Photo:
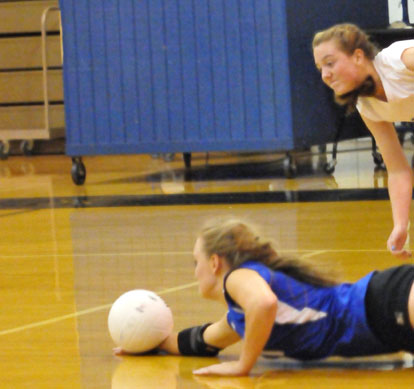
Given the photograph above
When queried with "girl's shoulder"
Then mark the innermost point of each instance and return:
(398, 46)
(237, 274)
(391, 55)
(259, 267)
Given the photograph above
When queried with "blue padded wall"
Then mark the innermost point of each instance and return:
(175, 75)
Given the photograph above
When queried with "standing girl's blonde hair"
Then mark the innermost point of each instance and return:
(348, 37)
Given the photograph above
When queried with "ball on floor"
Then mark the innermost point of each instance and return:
(139, 321)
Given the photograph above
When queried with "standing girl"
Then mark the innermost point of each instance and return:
(381, 86)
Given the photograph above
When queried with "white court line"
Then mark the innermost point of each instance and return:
(84, 312)
(314, 253)
(161, 253)
(106, 306)
(152, 253)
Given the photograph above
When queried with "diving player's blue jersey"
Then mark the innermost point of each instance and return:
(313, 322)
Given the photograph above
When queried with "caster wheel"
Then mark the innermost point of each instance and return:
(289, 167)
(27, 146)
(329, 167)
(78, 171)
(377, 158)
(4, 150)
(187, 160)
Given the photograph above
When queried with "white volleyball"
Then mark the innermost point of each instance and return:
(139, 321)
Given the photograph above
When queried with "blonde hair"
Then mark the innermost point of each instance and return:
(237, 242)
(348, 37)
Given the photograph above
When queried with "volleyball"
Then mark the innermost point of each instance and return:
(139, 320)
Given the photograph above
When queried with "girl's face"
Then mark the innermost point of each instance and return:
(204, 270)
(340, 71)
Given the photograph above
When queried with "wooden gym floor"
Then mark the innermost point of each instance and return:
(67, 252)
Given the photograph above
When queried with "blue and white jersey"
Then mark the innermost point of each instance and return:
(313, 322)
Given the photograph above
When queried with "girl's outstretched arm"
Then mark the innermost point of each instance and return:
(198, 340)
(205, 340)
(400, 183)
(259, 304)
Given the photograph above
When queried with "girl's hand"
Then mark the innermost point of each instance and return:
(233, 368)
(396, 243)
(118, 351)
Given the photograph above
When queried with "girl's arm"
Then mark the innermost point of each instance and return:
(203, 340)
(259, 304)
(407, 58)
(400, 184)
(218, 335)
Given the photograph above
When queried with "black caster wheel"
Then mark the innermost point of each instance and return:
(329, 167)
(377, 157)
(289, 167)
(187, 160)
(78, 171)
(4, 150)
(26, 147)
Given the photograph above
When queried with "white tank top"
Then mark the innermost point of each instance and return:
(398, 83)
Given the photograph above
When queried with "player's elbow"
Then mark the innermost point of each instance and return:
(268, 304)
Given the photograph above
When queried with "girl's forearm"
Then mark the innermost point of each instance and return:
(259, 324)
(400, 189)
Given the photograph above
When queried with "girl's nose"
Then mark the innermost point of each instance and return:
(326, 74)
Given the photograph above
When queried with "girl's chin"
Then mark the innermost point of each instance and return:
(338, 90)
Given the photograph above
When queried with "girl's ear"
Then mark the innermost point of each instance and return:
(215, 263)
(359, 56)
